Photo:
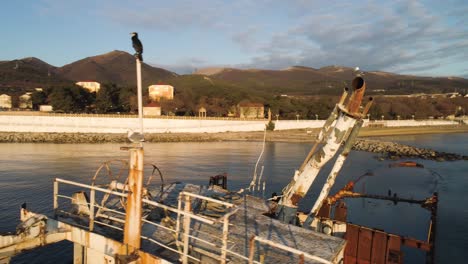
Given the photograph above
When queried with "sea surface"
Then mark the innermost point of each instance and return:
(27, 172)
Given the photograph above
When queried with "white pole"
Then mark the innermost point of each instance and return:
(140, 96)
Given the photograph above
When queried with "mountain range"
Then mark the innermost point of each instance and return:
(119, 67)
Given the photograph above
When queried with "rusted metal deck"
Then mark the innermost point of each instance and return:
(246, 225)
(186, 223)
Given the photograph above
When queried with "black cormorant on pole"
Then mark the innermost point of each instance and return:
(133, 216)
(137, 46)
(139, 58)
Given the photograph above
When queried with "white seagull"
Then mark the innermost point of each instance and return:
(135, 137)
(358, 72)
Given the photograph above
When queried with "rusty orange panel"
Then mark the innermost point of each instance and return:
(414, 243)
(324, 210)
(350, 260)
(352, 237)
(394, 250)
(364, 246)
(341, 212)
(379, 248)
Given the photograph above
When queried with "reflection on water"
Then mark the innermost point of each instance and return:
(27, 172)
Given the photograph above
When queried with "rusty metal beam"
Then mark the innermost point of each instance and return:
(350, 194)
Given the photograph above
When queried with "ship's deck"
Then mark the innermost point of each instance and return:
(248, 221)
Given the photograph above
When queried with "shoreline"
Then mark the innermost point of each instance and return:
(293, 135)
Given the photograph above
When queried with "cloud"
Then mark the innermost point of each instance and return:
(190, 65)
(246, 39)
(179, 15)
(66, 9)
(406, 37)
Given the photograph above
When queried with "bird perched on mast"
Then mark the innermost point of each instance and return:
(137, 46)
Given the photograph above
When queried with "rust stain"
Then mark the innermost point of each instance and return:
(341, 212)
(301, 259)
(324, 210)
(295, 198)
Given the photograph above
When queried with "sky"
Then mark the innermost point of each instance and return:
(408, 37)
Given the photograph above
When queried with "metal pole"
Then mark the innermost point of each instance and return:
(132, 231)
(140, 95)
(92, 200)
(225, 242)
(179, 209)
(251, 249)
(56, 189)
(187, 209)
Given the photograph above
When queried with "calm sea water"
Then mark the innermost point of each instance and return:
(27, 172)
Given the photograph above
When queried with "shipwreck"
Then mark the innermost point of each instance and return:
(119, 218)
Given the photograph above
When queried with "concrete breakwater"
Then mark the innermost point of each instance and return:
(392, 150)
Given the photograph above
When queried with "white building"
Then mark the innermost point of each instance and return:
(25, 101)
(158, 91)
(45, 108)
(251, 110)
(91, 86)
(5, 101)
(152, 109)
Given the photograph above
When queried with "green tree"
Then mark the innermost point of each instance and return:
(270, 126)
(38, 98)
(128, 99)
(107, 99)
(70, 99)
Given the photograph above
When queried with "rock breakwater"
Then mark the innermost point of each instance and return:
(387, 150)
(64, 138)
(392, 150)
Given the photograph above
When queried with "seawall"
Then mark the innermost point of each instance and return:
(119, 125)
(115, 124)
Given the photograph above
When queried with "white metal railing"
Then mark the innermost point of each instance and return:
(185, 213)
(182, 231)
(126, 115)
